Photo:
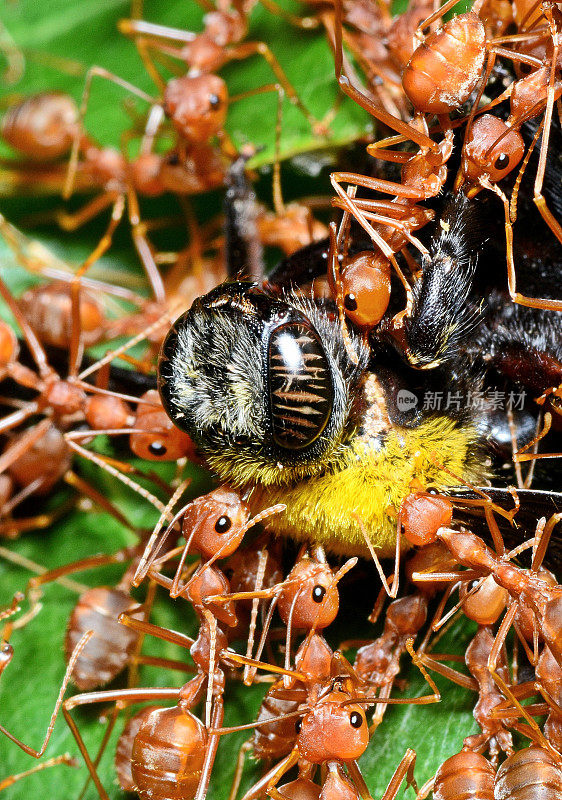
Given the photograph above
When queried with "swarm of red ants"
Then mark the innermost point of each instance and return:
(329, 399)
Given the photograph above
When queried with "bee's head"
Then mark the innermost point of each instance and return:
(263, 385)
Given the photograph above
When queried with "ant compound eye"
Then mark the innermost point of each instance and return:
(501, 161)
(350, 302)
(157, 449)
(298, 725)
(318, 593)
(214, 101)
(355, 719)
(223, 524)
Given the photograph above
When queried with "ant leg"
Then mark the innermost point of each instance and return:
(248, 49)
(517, 297)
(70, 222)
(122, 696)
(15, 61)
(166, 634)
(166, 317)
(211, 749)
(272, 777)
(51, 762)
(249, 673)
(538, 737)
(405, 769)
(71, 663)
(24, 443)
(37, 351)
(239, 768)
(392, 589)
(136, 487)
(101, 73)
(82, 486)
(17, 417)
(365, 102)
(440, 12)
(143, 247)
(358, 779)
(459, 678)
(306, 23)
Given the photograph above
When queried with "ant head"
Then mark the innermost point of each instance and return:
(197, 105)
(366, 288)
(9, 347)
(162, 440)
(407, 614)
(333, 731)
(492, 150)
(207, 582)
(216, 522)
(311, 598)
(422, 515)
(486, 603)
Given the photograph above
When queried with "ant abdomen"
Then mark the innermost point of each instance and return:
(42, 126)
(529, 774)
(446, 67)
(124, 750)
(48, 309)
(168, 755)
(276, 739)
(109, 650)
(464, 775)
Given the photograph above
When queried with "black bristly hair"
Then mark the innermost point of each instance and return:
(442, 314)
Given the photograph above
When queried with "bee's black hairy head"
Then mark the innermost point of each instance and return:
(251, 376)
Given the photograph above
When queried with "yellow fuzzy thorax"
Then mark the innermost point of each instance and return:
(371, 485)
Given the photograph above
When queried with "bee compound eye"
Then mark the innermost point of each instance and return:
(223, 524)
(355, 719)
(318, 593)
(157, 449)
(300, 385)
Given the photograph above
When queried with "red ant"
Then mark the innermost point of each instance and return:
(377, 662)
(204, 54)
